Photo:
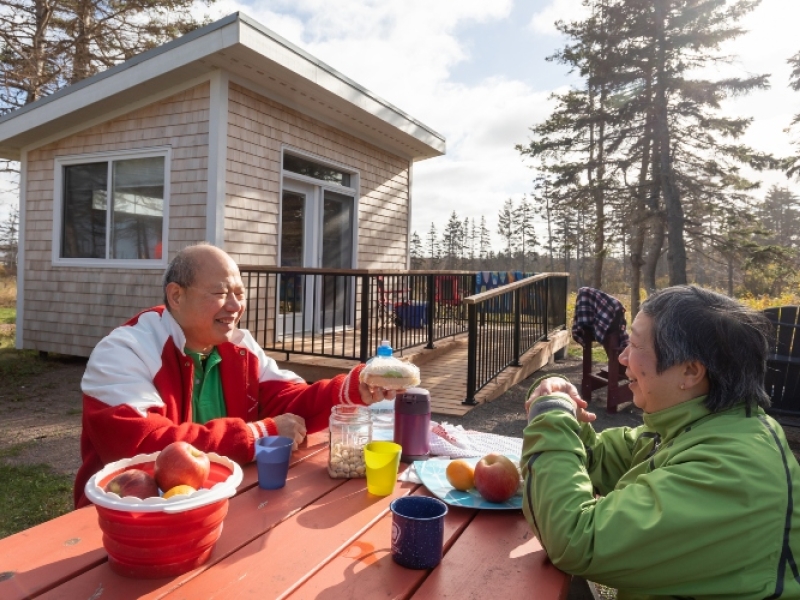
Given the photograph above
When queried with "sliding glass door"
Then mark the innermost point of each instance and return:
(317, 226)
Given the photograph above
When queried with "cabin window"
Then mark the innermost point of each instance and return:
(113, 209)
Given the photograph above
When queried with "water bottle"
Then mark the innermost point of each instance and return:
(383, 412)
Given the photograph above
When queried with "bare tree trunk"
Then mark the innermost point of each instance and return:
(82, 56)
(549, 225)
(674, 210)
(640, 213)
(595, 188)
(655, 220)
(44, 14)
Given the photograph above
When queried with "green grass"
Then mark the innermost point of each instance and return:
(30, 494)
(598, 352)
(16, 366)
(8, 315)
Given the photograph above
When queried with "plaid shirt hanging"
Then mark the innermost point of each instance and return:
(596, 310)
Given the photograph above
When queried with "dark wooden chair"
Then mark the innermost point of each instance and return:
(447, 297)
(610, 377)
(783, 365)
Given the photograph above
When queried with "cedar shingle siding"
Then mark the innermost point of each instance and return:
(257, 128)
(68, 309)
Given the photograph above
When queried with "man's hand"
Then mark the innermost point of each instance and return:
(562, 387)
(291, 426)
(371, 394)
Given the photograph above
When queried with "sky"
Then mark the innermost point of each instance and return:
(475, 72)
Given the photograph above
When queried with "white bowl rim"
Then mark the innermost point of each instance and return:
(180, 503)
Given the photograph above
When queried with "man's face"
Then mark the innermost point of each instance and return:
(209, 310)
(652, 391)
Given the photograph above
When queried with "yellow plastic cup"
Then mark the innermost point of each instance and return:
(382, 460)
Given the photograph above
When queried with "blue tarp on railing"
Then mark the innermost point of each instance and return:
(489, 280)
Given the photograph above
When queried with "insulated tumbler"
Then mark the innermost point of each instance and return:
(412, 423)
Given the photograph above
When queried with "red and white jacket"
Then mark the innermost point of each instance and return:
(137, 396)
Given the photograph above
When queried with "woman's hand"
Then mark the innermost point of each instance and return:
(563, 388)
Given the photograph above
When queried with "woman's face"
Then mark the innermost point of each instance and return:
(651, 391)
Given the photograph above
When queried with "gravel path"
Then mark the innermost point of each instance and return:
(505, 416)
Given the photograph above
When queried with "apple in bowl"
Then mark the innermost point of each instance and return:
(133, 482)
(496, 477)
(180, 463)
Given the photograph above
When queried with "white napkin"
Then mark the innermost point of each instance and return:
(456, 442)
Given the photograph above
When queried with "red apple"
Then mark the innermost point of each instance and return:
(180, 463)
(496, 477)
(133, 482)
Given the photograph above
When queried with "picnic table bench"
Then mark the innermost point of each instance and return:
(317, 537)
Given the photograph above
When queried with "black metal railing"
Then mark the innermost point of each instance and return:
(507, 322)
(346, 313)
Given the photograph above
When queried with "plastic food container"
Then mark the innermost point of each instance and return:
(154, 537)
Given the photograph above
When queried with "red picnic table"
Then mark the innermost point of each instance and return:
(317, 537)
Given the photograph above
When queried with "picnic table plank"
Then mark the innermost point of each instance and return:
(277, 562)
(36, 562)
(365, 568)
(250, 514)
(511, 563)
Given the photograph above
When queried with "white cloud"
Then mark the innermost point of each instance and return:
(404, 52)
(543, 21)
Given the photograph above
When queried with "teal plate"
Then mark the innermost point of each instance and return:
(433, 474)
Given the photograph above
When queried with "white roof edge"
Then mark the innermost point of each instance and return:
(274, 36)
(77, 96)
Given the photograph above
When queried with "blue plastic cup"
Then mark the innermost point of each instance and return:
(417, 531)
(272, 461)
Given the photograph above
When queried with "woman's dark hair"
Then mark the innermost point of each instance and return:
(730, 340)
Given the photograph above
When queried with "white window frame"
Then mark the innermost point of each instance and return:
(321, 185)
(109, 158)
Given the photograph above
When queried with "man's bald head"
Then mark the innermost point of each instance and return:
(183, 269)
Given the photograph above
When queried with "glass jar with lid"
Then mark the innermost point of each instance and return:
(350, 430)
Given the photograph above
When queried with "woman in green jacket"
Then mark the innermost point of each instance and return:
(703, 499)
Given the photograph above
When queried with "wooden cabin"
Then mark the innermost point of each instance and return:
(229, 134)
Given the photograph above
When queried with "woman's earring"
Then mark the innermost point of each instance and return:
(683, 386)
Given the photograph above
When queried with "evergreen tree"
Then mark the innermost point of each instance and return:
(416, 251)
(644, 139)
(484, 241)
(505, 226)
(452, 242)
(433, 247)
(9, 241)
(524, 231)
(793, 164)
(780, 214)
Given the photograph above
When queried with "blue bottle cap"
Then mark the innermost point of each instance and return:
(385, 349)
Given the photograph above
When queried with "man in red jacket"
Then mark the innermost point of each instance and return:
(184, 371)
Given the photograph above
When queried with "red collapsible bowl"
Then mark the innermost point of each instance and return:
(162, 538)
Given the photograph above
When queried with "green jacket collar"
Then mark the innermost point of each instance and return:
(671, 421)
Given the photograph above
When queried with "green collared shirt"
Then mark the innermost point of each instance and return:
(208, 401)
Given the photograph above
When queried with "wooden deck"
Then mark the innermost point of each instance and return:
(443, 370)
